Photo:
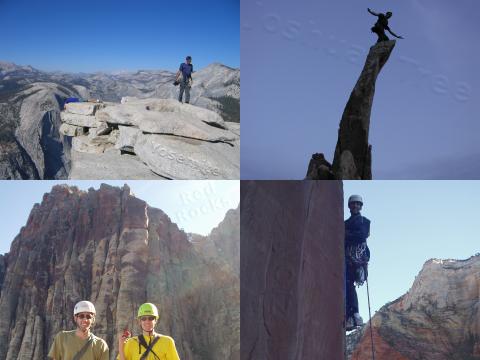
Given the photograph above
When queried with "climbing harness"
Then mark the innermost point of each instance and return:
(358, 256)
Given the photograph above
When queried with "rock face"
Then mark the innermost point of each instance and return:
(113, 249)
(223, 243)
(174, 140)
(319, 168)
(291, 270)
(438, 319)
(353, 153)
(31, 146)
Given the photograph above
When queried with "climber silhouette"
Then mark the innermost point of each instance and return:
(381, 25)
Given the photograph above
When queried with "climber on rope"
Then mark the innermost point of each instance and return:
(357, 255)
(381, 25)
(80, 343)
(149, 345)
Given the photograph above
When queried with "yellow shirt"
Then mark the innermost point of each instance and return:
(164, 348)
(66, 345)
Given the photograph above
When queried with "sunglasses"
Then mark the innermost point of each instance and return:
(149, 318)
(85, 316)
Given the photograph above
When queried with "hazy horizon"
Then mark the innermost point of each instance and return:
(111, 71)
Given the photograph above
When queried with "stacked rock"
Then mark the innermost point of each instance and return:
(175, 140)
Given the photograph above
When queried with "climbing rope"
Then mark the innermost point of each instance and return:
(370, 323)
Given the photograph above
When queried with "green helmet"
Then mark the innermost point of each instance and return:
(147, 309)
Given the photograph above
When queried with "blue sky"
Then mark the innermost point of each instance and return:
(300, 61)
(412, 222)
(110, 35)
(195, 206)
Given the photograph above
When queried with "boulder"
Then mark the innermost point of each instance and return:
(118, 114)
(103, 129)
(71, 130)
(83, 108)
(181, 124)
(80, 120)
(171, 105)
(319, 168)
(127, 137)
(109, 165)
(94, 146)
(181, 158)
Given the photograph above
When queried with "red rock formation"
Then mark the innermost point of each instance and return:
(291, 270)
(438, 319)
(223, 243)
(109, 247)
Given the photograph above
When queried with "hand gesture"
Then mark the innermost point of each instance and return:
(123, 337)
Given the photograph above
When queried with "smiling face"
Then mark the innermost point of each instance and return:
(147, 323)
(355, 207)
(84, 321)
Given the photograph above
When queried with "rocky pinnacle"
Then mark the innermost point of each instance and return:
(353, 159)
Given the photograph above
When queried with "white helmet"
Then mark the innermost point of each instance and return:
(355, 198)
(84, 306)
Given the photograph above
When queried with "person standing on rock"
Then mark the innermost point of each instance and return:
(186, 70)
(357, 254)
(80, 343)
(149, 345)
(381, 25)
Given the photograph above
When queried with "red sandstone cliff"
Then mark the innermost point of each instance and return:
(291, 270)
(438, 319)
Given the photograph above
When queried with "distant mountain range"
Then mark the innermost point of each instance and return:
(215, 87)
(30, 102)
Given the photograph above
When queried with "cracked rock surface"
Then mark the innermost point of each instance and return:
(291, 270)
(173, 140)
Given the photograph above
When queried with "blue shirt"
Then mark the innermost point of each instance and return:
(357, 230)
(186, 70)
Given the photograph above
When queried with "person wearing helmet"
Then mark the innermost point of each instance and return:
(357, 254)
(80, 343)
(186, 70)
(381, 25)
(150, 345)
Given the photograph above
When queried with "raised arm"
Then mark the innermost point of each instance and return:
(372, 12)
(391, 32)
